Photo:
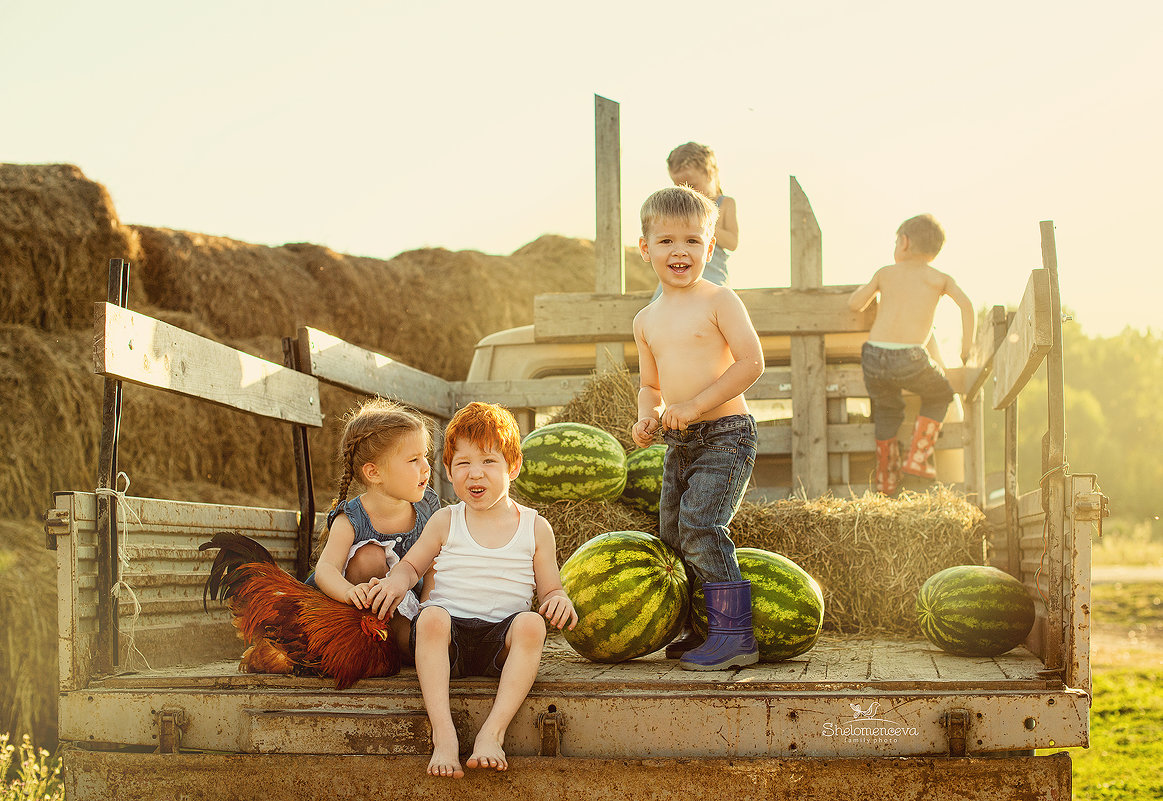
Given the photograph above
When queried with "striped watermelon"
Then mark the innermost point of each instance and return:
(787, 606)
(571, 462)
(644, 478)
(630, 592)
(974, 610)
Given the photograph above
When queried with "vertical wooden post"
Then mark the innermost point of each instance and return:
(296, 355)
(1054, 462)
(1001, 324)
(809, 429)
(108, 654)
(610, 266)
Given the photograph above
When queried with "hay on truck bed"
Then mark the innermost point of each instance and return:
(870, 553)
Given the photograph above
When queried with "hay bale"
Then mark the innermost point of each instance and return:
(870, 553)
(575, 522)
(58, 231)
(28, 632)
(609, 401)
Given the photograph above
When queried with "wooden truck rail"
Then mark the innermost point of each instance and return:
(151, 697)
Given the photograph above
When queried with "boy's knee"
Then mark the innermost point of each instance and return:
(528, 627)
(434, 621)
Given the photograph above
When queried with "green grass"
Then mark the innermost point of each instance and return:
(1125, 758)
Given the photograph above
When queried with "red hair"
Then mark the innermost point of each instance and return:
(485, 425)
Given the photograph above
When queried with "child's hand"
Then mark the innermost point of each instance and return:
(384, 596)
(357, 596)
(680, 416)
(644, 432)
(965, 352)
(558, 610)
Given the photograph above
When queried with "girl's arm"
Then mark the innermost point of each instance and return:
(555, 604)
(329, 571)
(727, 228)
(386, 594)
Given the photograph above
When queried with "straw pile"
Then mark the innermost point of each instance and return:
(57, 234)
(28, 633)
(870, 553)
(609, 401)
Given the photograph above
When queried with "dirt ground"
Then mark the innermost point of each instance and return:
(1117, 645)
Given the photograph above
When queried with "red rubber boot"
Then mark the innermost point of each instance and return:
(919, 462)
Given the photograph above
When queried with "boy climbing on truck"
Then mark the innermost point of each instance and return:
(490, 555)
(895, 357)
(698, 352)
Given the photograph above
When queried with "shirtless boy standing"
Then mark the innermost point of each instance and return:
(698, 353)
(895, 356)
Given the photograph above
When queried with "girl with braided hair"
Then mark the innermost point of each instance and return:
(384, 449)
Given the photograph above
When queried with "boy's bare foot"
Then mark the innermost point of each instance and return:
(444, 760)
(487, 753)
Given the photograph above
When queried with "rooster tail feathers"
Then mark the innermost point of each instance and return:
(234, 551)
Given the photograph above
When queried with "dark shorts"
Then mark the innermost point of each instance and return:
(475, 646)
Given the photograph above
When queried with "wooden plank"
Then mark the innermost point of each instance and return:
(524, 393)
(1027, 342)
(134, 347)
(846, 438)
(809, 423)
(807, 259)
(610, 273)
(981, 357)
(335, 361)
(585, 317)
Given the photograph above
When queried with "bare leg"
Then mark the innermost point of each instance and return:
(433, 633)
(524, 641)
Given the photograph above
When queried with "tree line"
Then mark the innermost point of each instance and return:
(1114, 419)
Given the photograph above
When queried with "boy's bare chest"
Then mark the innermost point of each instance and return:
(684, 335)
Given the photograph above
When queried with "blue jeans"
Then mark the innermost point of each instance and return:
(704, 475)
(889, 370)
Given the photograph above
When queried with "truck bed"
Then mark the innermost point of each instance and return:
(836, 661)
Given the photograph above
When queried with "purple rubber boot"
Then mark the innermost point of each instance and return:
(730, 638)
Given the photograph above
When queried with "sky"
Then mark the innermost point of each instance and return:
(379, 127)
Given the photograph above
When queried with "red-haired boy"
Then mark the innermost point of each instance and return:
(490, 555)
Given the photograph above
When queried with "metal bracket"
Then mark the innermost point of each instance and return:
(170, 722)
(550, 724)
(56, 524)
(1090, 506)
(957, 723)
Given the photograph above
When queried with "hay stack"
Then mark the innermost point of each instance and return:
(870, 553)
(28, 633)
(58, 231)
(609, 401)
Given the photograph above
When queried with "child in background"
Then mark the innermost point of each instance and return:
(895, 356)
(384, 448)
(698, 353)
(490, 555)
(694, 165)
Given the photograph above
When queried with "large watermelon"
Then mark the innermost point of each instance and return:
(974, 610)
(644, 478)
(787, 606)
(571, 462)
(630, 592)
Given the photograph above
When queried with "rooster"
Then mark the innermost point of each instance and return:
(291, 627)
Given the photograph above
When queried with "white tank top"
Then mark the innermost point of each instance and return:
(486, 583)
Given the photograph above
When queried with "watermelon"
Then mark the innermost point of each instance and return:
(631, 595)
(644, 478)
(787, 606)
(974, 610)
(571, 462)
